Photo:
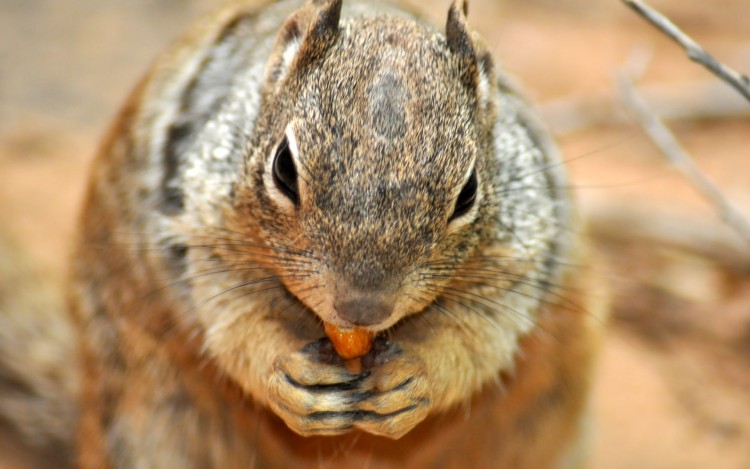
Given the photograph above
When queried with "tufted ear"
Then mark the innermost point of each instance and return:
(326, 22)
(457, 31)
(303, 37)
(460, 42)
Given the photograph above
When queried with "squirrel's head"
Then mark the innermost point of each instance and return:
(369, 160)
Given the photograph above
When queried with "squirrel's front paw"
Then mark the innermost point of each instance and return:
(315, 394)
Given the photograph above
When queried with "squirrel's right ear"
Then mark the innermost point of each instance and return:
(303, 37)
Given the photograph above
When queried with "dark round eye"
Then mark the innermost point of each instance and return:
(284, 172)
(466, 197)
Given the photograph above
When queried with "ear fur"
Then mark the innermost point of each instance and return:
(460, 42)
(326, 23)
(457, 31)
(303, 37)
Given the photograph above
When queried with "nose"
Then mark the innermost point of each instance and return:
(364, 309)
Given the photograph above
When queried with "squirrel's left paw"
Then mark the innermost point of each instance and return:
(315, 394)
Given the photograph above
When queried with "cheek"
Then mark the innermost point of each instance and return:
(421, 289)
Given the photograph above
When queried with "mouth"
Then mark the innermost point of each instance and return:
(350, 337)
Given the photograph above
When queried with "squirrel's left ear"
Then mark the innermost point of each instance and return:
(457, 31)
(477, 66)
(303, 37)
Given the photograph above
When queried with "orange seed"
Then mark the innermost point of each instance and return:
(349, 344)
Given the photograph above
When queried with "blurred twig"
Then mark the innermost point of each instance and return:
(659, 227)
(674, 152)
(696, 53)
(672, 101)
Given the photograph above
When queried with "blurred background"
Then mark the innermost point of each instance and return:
(672, 388)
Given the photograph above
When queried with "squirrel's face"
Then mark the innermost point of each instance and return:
(368, 177)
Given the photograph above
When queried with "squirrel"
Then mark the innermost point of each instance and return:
(300, 165)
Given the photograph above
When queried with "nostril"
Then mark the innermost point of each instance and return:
(364, 310)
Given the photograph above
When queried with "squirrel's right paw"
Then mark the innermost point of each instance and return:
(315, 394)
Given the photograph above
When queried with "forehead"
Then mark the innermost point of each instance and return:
(390, 97)
(401, 65)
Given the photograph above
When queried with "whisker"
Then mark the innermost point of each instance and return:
(565, 303)
(240, 240)
(499, 275)
(455, 261)
(563, 162)
(452, 295)
(458, 320)
(238, 286)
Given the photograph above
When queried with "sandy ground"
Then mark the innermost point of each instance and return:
(673, 380)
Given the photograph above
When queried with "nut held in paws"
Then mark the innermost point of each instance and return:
(350, 344)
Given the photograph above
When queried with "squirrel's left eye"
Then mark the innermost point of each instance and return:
(284, 172)
(466, 197)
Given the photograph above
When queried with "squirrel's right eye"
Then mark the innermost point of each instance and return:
(284, 172)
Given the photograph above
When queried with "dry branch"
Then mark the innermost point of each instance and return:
(672, 150)
(672, 101)
(696, 53)
(654, 226)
